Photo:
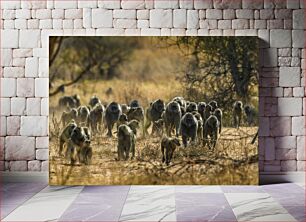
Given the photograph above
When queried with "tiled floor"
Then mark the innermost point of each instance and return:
(39, 202)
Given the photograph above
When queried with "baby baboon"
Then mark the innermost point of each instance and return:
(126, 142)
(200, 126)
(237, 113)
(68, 116)
(189, 128)
(207, 112)
(112, 114)
(172, 118)
(93, 101)
(250, 114)
(192, 107)
(201, 108)
(218, 114)
(168, 146)
(211, 127)
(96, 117)
(69, 101)
(159, 127)
(125, 108)
(123, 119)
(134, 104)
(134, 125)
(213, 104)
(83, 114)
(65, 135)
(153, 113)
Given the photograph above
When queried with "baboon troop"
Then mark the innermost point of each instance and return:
(194, 123)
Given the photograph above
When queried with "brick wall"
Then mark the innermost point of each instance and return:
(26, 25)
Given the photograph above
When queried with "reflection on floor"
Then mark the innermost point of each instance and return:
(40, 202)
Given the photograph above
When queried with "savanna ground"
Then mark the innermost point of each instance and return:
(233, 161)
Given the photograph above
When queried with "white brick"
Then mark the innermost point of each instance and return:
(245, 14)
(166, 4)
(132, 32)
(289, 76)
(298, 92)
(6, 57)
(191, 32)
(25, 87)
(45, 24)
(31, 68)
(110, 32)
(270, 57)
(41, 87)
(23, 13)
(43, 13)
(66, 4)
(178, 32)
(33, 24)
(13, 72)
(9, 24)
(87, 4)
(18, 166)
(8, 87)
(78, 25)
(18, 106)
(5, 106)
(298, 126)
(298, 19)
(19, 62)
(280, 38)
(240, 24)
(208, 24)
(102, 18)
(109, 4)
(298, 38)
(29, 38)
(290, 106)
(44, 106)
(33, 4)
(132, 4)
(285, 142)
(2, 133)
(13, 125)
(165, 32)
(87, 18)
(213, 14)
(73, 13)
(264, 36)
(179, 18)
(252, 4)
(203, 4)
(142, 23)
(34, 165)
(9, 39)
(150, 32)
(67, 24)
(215, 32)
(58, 13)
(33, 106)
(122, 13)
(192, 19)
(186, 4)
(160, 18)
(20, 23)
(34, 126)
(224, 24)
(42, 142)
(288, 165)
(293, 4)
(42, 154)
(229, 14)
(8, 14)
(43, 70)
(20, 148)
(227, 4)
(125, 23)
(143, 14)
(57, 23)
(301, 148)
(269, 149)
(45, 166)
(10, 4)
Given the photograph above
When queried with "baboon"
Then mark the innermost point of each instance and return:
(189, 128)
(134, 104)
(200, 126)
(83, 115)
(168, 146)
(123, 119)
(125, 108)
(207, 112)
(126, 142)
(68, 116)
(86, 151)
(192, 107)
(153, 113)
(159, 127)
(213, 104)
(181, 101)
(201, 108)
(69, 101)
(250, 114)
(93, 101)
(218, 113)
(65, 135)
(134, 125)
(172, 118)
(211, 127)
(96, 117)
(112, 114)
(237, 113)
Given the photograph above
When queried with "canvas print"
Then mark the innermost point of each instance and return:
(153, 110)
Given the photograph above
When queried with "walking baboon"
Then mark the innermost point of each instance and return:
(153, 113)
(218, 113)
(189, 128)
(65, 135)
(211, 127)
(126, 142)
(200, 126)
(168, 146)
(237, 113)
(137, 114)
(213, 104)
(192, 107)
(207, 112)
(68, 116)
(201, 108)
(96, 118)
(181, 101)
(123, 119)
(159, 127)
(69, 101)
(125, 108)
(134, 125)
(172, 118)
(93, 101)
(112, 114)
(83, 114)
(250, 114)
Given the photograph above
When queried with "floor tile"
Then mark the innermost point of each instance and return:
(298, 212)
(47, 205)
(22, 187)
(282, 188)
(149, 203)
(106, 189)
(257, 207)
(198, 189)
(242, 189)
(290, 199)
(203, 207)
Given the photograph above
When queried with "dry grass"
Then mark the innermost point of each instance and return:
(234, 160)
